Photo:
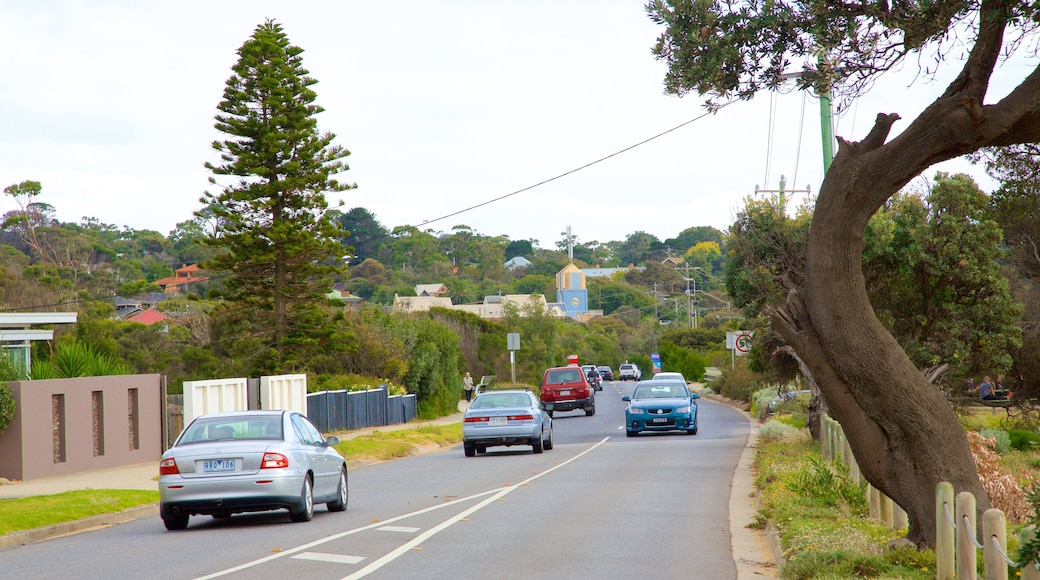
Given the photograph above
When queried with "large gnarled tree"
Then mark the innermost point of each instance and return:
(905, 436)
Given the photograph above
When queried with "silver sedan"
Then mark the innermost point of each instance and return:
(247, 461)
(512, 417)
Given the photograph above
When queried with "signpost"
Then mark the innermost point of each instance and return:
(739, 344)
(513, 344)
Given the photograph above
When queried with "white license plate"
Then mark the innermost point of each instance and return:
(213, 465)
(660, 420)
(565, 392)
(498, 421)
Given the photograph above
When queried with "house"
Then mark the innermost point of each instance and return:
(339, 292)
(517, 262)
(437, 290)
(183, 277)
(406, 304)
(149, 316)
(494, 305)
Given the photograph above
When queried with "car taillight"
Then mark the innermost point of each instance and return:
(168, 467)
(475, 419)
(521, 417)
(274, 460)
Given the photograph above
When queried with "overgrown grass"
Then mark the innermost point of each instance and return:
(400, 443)
(46, 510)
(822, 518)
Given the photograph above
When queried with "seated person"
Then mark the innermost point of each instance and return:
(986, 392)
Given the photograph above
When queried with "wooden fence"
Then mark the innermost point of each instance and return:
(956, 550)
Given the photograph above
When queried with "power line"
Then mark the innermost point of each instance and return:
(575, 170)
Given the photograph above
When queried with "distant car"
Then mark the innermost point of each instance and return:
(661, 405)
(567, 389)
(507, 417)
(788, 396)
(605, 373)
(629, 372)
(248, 461)
(669, 375)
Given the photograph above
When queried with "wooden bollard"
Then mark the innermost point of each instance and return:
(966, 556)
(945, 534)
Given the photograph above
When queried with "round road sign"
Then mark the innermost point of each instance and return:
(743, 343)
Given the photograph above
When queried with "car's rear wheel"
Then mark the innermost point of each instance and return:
(469, 449)
(549, 413)
(340, 502)
(548, 443)
(590, 410)
(305, 511)
(175, 522)
(537, 445)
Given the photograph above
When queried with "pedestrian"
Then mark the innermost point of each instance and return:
(467, 387)
(998, 387)
(970, 386)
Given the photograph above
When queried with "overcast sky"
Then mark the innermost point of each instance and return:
(443, 104)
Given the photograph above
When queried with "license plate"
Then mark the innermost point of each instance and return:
(218, 465)
(660, 420)
(498, 421)
(565, 391)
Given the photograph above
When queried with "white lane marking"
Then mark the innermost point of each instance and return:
(620, 427)
(335, 536)
(334, 558)
(404, 529)
(500, 493)
(326, 539)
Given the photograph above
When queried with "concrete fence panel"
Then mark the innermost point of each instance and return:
(215, 396)
(286, 392)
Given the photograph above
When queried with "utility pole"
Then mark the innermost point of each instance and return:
(782, 197)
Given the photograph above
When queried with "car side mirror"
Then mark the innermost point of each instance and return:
(695, 396)
(626, 398)
(332, 441)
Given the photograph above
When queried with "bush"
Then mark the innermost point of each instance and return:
(738, 383)
(775, 430)
(1024, 440)
(6, 406)
(1003, 439)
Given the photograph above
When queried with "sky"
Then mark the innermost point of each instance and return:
(443, 105)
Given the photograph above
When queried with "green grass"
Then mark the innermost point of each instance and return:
(45, 510)
(400, 443)
(822, 518)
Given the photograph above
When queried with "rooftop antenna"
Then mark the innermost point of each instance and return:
(570, 245)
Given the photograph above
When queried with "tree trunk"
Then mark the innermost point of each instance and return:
(904, 434)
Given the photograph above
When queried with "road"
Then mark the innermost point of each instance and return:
(598, 505)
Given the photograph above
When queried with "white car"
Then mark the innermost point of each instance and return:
(629, 372)
(674, 376)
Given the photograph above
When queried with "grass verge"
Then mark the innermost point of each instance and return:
(381, 445)
(46, 510)
(822, 517)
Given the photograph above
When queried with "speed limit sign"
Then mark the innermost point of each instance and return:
(743, 343)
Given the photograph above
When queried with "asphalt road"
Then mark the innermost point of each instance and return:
(598, 505)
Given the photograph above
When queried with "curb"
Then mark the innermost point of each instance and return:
(66, 528)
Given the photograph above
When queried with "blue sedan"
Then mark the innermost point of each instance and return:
(513, 417)
(661, 405)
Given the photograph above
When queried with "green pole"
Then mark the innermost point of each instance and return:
(825, 130)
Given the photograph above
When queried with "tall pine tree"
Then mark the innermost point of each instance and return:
(279, 246)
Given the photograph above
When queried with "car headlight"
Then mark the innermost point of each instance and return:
(685, 409)
(635, 411)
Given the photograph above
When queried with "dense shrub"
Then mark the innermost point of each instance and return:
(738, 383)
(1024, 440)
(1003, 440)
(775, 430)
